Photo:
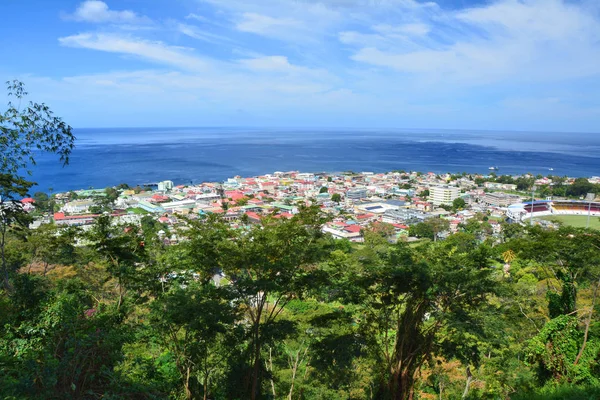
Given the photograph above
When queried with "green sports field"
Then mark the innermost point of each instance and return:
(578, 221)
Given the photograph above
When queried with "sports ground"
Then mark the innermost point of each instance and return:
(578, 221)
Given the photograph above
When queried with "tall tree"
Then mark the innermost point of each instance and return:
(410, 298)
(269, 266)
(25, 129)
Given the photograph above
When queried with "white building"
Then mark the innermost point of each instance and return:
(77, 206)
(179, 205)
(165, 186)
(443, 194)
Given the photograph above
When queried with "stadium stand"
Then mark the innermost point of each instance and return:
(522, 211)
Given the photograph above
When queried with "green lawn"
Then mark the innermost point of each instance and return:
(577, 221)
(137, 210)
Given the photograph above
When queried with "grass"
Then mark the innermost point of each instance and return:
(577, 221)
(137, 210)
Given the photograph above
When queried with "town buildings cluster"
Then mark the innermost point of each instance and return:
(354, 201)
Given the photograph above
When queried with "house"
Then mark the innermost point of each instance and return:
(77, 206)
(342, 230)
(267, 186)
(235, 195)
(153, 208)
(253, 217)
(73, 220)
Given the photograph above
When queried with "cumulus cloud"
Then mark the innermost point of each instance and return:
(97, 11)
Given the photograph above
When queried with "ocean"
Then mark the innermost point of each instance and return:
(108, 157)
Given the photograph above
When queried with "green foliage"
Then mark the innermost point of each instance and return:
(281, 310)
(562, 392)
(22, 133)
(22, 130)
(429, 229)
(581, 187)
(555, 349)
(458, 204)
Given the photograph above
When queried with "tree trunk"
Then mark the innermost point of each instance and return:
(294, 371)
(255, 370)
(188, 392)
(468, 383)
(409, 350)
(205, 386)
(2, 248)
(587, 325)
(257, 348)
(271, 371)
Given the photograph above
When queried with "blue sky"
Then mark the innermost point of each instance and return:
(505, 64)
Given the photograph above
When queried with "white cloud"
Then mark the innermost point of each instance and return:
(149, 50)
(265, 25)
(200, 34)
(518, 40)
(197, 17)
(268, 63)
(366, 58)
(413, 29)
(97, 11)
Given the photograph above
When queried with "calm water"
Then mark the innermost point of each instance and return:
(106, 157)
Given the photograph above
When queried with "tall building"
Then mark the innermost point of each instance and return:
(357, 194)
(443, 194)
(165, 186)
(499, 199)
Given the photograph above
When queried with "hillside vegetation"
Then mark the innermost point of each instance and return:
(281, 310)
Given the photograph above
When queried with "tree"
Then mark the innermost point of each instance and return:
(22, 133)
(121, 248)
(196, 323)
(242, 202)
(429, 229)
(12, 216)
(458, 204)
(416, 304)
(580, 187)
(324, 189)
(268, 266)
(41, 201)
(421, 230)
(24, 130)
(336, 197)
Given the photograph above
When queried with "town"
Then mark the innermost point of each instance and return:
(408, 206)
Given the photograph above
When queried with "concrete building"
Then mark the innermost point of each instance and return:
(357, 194)
(499, 199)
(78, 206)
(179, 205)
(207, 198)
(165, 186)
(405, 216)
(443, 194)
(153, 208)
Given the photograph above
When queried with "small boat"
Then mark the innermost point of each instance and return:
(550, 169)
(493, 168)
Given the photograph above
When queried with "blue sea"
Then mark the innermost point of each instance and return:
(107, 157)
